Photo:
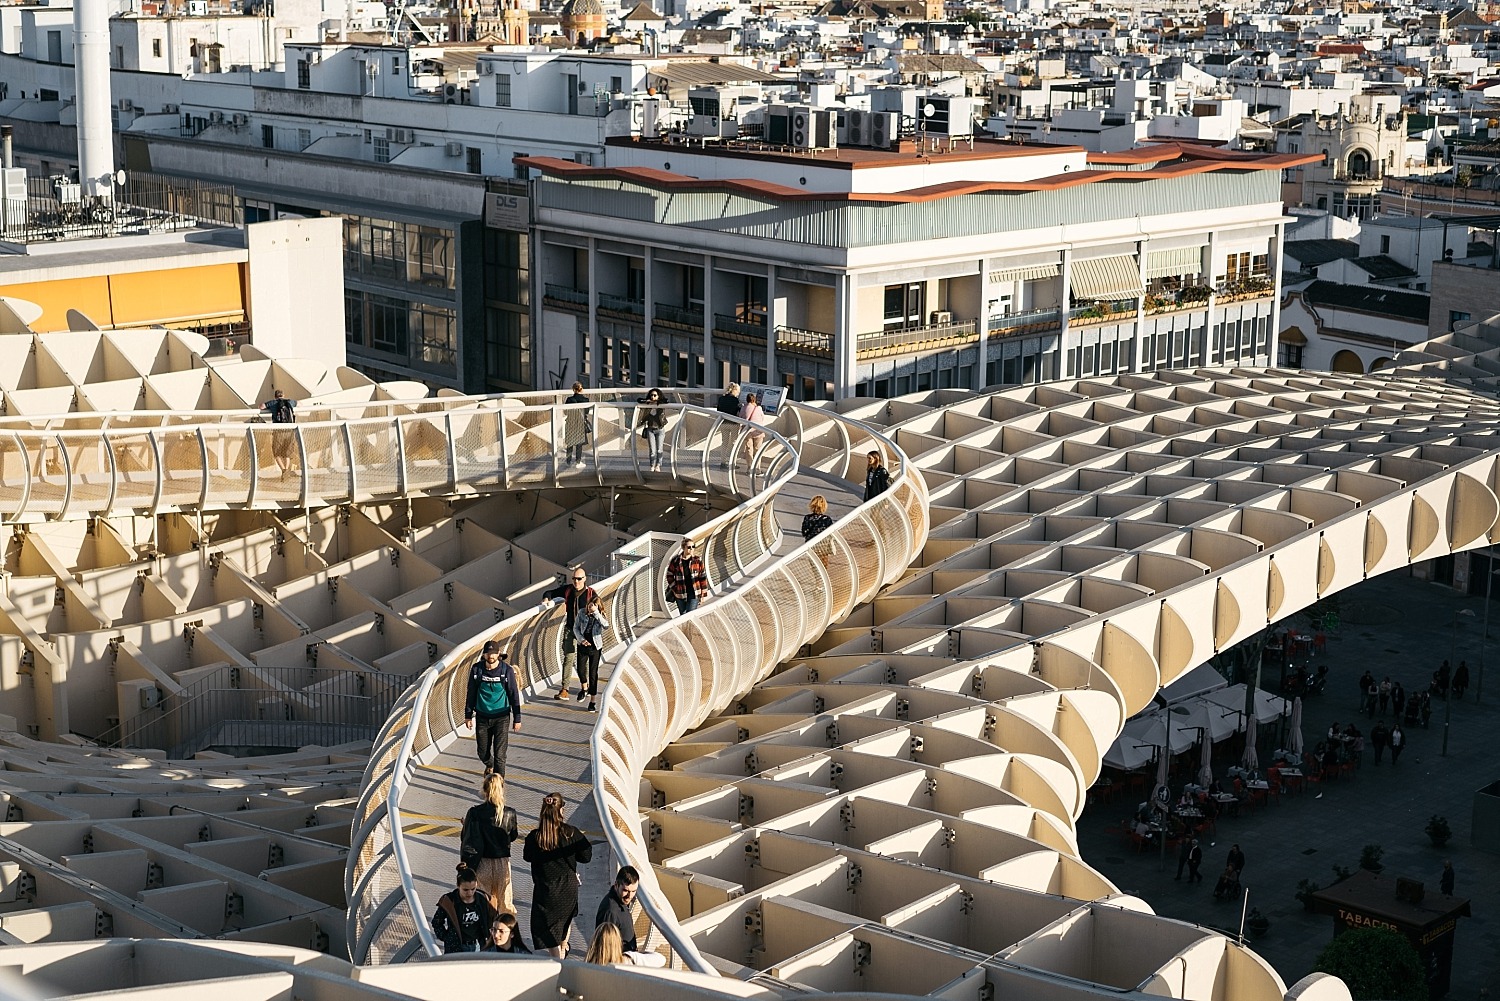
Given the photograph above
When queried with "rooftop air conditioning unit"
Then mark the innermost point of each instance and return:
(169, 109)
(450, 93)
(126, 105)
(857, 132)
(216, 116)
(403, 136)
(778, 125)
(454, 149)
(240, 119)
(883, 128)
(941, 318)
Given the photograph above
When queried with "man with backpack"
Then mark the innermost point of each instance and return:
(495, 699)
(282, 410)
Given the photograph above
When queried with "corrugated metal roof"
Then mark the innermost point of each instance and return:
(710, 72)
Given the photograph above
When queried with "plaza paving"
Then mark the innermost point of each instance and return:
(1394, 625)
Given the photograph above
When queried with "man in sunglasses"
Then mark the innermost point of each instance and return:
(575, 594)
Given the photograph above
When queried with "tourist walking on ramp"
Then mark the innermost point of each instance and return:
(588, 630)
(575, 594)
(485, 839)
(505, 936)
(687, 579)
(652, 421)
(283, 443)
(578, 425)
(494, 698)
(615, 909)
(464, 915)
(877, 477)
(729, 406)
(816, 521)
(554, 850)
(752, 413)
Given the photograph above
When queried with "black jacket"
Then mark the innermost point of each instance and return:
(458, 924)
(483, 838)
(613, 910)
(729, 404)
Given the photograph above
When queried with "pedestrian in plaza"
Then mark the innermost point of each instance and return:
(505, 936)
(816, 521)
(1385, 693)
(652, 420)
(1372, 698)
(1398, 699)
(577, 425)
(488, 831)
(1461, 679)
(752, 413)
(1379, 737)
(494, 698)
(1398, 743)
(588, 631)
(575, 594)
(1236, 859)
(687, 579)
(728, 405)
(1183, 850)
(555, 850)
(1445, 881)
(877, 477)
(1365, 681)
(615, 909)
(1195, 859)
(464, 914)
(283, 443)
(1228, 884)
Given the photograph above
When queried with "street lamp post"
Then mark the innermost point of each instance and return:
(1452, 656)
(1484, 642)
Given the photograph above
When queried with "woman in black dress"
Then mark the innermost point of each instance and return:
(554, 850)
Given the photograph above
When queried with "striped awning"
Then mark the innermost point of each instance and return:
(1170, 263)
(1106, 278)
(1030, 273)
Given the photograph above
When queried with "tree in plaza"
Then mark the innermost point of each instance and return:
(1375, 963)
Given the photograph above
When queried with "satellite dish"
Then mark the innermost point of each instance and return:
(120, 178)
(928, 110)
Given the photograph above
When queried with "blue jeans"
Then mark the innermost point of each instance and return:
(685, 605)
(653, 444)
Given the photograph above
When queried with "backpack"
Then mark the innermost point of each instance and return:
(281, 412)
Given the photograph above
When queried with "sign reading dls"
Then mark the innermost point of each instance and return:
(503, 211)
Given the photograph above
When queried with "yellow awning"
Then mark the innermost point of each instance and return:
(1031, 273)
(1170, 263)
(176, 296)
(1294, 336)
(1106, 278)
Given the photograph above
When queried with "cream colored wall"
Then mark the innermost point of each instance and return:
(297, 289)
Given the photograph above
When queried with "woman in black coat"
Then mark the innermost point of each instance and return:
(555, 850)
(485, 839)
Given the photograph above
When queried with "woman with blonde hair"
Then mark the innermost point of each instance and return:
(816, 521)
(488, 832)
(605, 949)
(555, 850)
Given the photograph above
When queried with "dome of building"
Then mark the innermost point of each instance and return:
(581, 20)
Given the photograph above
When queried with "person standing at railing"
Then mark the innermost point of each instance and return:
(877, 477)
(753, 414)
(282, 411)
(555, 850)
(728, 405)
(687, 579)
(577, 426)
(495, 699)
(575, 596)
(653, 423)
(588, 630)
(484, 842)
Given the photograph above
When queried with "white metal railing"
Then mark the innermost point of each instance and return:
(151, 463)
(386, 920)
(670, 680)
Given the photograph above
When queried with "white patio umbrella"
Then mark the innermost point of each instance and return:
(1206, 766)
(1251, 759)
(1162, 795)
(1294, 739)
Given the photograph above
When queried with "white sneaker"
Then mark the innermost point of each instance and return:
(579, 464)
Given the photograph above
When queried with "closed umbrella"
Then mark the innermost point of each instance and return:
(1161, 794)
(1251, 760)
(1295, 737)
(1206, 767)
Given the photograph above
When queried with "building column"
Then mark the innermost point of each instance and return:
(845, 337)
(538, 288)
(1143, 250)
(648, 315)
(1278, 245)
(1213, 296)
(595, 369)
(775, 317)
(1064, 319)
(986, 307)
(711, 378)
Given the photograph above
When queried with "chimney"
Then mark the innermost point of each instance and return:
(7, 157)
(96, 141)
